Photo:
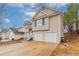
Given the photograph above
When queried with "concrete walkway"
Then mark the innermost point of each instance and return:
(32, 48)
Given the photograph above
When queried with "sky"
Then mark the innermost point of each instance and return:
(14, 14)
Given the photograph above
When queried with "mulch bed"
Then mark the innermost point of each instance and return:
(70, 48)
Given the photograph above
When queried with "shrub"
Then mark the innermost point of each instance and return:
(21, 38)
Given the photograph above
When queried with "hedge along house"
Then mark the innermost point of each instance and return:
(47, 25)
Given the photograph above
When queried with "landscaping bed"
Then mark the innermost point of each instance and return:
(69, 48)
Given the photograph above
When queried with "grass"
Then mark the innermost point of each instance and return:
(9, 42)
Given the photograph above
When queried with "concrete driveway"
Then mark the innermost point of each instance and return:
(29, 48)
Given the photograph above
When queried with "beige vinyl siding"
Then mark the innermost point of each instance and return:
(52, 30)
(61, 25)
(44, 27)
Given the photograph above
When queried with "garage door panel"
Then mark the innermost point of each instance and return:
(45, 36)
(38, 36)
(50, 37)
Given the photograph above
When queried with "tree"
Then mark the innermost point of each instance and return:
(27, 25)
(71, 15)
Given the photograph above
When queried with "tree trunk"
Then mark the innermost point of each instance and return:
(77, 31)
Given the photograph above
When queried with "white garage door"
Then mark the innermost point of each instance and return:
(48, 36)
(38, 36)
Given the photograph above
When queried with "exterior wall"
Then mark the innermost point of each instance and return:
(23, 30)
(52, 31)
(61, 26)
(45, 27)
(54, 26)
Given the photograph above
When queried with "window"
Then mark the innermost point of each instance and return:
(39, 23)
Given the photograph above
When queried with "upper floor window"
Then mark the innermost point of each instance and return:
(39, 23)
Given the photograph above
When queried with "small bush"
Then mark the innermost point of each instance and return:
(21, 38)
(77, 32)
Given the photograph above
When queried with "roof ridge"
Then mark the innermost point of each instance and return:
(53, 9)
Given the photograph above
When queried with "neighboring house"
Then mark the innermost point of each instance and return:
(8, 34)
(22, 29)
(74, 26)
(12, 32)
(47, 25)
(26, 29)
(18, 33)
(5, 34)
(11, 35)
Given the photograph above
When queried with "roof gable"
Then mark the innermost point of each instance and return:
(45, 12)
